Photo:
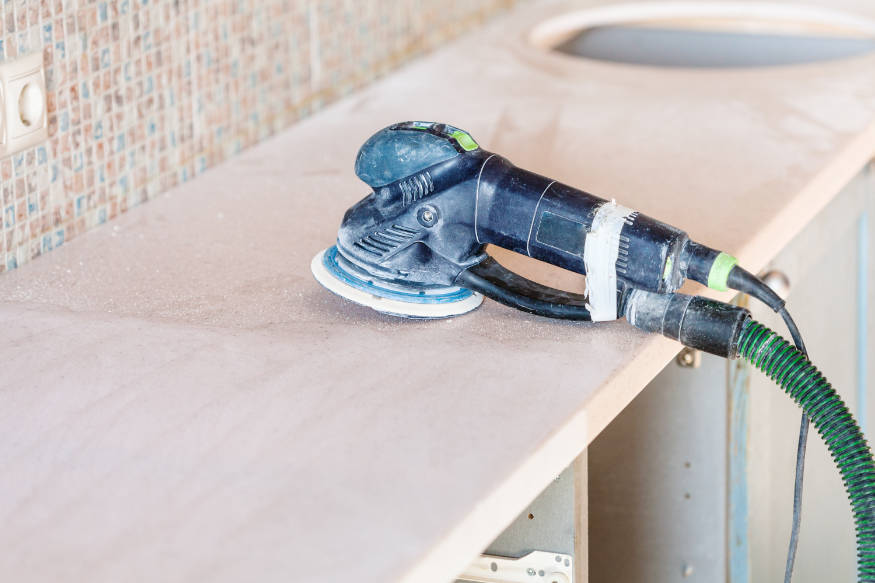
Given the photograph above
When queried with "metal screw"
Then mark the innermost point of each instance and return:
(427, 216)
(689, 358)
(530, 571)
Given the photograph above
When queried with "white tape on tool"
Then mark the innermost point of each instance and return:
(600, 251)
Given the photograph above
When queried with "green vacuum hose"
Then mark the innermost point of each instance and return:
(800, 379)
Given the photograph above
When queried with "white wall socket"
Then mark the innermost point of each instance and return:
(23, 115)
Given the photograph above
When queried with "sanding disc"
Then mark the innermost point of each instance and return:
(348, 281)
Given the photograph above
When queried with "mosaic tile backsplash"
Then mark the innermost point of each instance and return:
(145, 94)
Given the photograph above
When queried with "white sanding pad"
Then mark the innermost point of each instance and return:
(344, 279)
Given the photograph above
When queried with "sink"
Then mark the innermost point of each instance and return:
(707, 35)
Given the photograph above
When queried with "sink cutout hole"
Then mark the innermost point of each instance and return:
(718, 35)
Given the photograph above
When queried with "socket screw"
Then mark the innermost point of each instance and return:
(427, 216)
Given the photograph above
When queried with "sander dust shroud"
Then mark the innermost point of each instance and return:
(415, 247)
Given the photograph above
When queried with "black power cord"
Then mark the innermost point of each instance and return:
(746, 282)
(800, 460)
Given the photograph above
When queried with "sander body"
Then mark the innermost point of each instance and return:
(415, 246)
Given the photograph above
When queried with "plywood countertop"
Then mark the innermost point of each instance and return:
(180, 401)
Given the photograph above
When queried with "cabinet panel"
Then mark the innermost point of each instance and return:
(657, 485)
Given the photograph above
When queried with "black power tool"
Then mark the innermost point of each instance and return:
(414, 247)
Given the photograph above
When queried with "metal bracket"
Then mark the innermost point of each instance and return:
(535, 567)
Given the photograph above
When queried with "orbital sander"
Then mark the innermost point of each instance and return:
(416, 247)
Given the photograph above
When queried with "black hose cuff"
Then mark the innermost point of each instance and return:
(699, 323)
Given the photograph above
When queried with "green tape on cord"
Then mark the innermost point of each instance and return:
(720, 269)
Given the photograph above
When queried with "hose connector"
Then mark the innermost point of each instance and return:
(707, 325)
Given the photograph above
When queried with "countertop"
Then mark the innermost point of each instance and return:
(181, 401)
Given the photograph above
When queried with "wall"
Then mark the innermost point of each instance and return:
(145, 94)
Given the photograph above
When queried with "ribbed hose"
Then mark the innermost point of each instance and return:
(788, 367)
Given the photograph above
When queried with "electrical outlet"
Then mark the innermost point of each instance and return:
(23, 115)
